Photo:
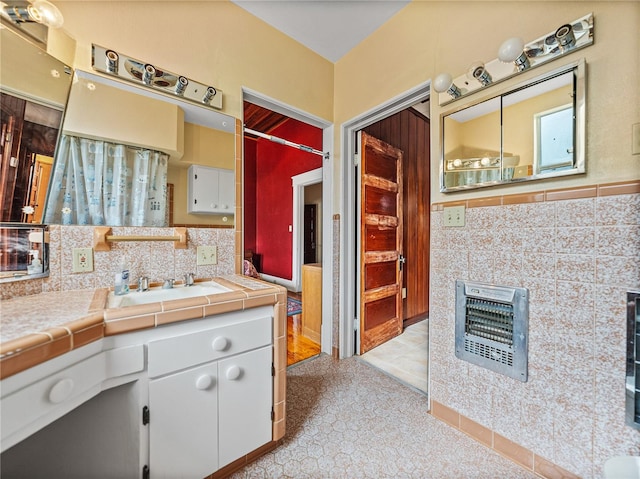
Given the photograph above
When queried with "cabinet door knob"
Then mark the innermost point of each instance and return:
(233, 372)
(220, 343)
(204, 381)
(61, 390)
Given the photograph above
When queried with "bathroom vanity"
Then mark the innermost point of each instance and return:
(179, 388)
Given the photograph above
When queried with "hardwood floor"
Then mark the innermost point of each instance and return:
(299, 347)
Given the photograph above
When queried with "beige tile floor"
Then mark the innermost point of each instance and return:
(404, 357)
(347, 420)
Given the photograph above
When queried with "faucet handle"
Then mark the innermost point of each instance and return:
(143, 283)
(188, 279)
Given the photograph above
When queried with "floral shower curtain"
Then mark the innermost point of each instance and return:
(95, 182)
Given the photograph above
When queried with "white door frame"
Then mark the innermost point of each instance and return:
(350, 219)
(327, 202)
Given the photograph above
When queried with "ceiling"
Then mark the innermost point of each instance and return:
(329, 28)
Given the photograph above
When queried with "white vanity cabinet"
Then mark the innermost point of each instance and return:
(210, 396)
(207, 385)
(211, 190)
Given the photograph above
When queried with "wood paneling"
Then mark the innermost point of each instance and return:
(409, 131)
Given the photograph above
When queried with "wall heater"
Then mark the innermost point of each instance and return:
(492, 327)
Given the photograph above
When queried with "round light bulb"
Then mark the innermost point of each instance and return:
(442, 82)
(510, 49)
(485, 161)
(457, 163)
(46, 13)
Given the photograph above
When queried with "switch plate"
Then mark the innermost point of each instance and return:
(454, 216)
(207, 255)
(635, 139)
(82, 260)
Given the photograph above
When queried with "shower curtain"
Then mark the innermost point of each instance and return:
(95, 182)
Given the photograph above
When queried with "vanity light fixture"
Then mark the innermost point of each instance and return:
(444, 83)
(39, 11)
(512, 50)
(181, 85)
(154, 77)
(112, 59)
(149, 73)
(477, 71)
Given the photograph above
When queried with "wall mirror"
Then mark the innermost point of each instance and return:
(531, 131)
(34, 88)
(123, 149)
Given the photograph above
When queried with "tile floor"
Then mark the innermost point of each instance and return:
(404, 357)
(346, 419)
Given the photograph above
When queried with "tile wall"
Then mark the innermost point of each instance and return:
(578, 252)
(158, 260)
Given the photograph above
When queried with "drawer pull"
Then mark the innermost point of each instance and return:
(220, 344)
(61, 390)
(204, 382)
(234, 372)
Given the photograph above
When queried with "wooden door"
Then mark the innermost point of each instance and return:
(41, 172)
(408, 130)
(380, 242)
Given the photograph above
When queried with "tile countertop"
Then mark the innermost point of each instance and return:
(40, 327)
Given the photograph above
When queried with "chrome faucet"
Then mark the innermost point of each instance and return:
(168, 284)
(143, 283)
(188, 279)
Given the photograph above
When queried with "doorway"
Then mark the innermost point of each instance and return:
(416, 307)
(305, 185)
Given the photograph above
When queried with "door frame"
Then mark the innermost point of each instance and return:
(327, 201)
(349, 241)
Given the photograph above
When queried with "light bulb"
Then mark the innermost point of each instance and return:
(512, 50)
(46, 13)
(444, 83)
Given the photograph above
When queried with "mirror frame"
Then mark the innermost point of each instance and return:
(579, 162)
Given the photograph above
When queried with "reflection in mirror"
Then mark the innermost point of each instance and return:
(25, 251)
(472, 144)
(538, 123)
(34, 88)
(531, 132)
(123, 148)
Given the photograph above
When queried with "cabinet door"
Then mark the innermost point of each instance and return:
(183, 432)
(203, 189)
(246, 398)
(227, 191)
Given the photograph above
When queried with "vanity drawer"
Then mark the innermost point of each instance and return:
(51, 393)
(187, 350)
(36, 405)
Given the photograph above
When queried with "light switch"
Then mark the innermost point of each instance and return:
(454, 216)
(206, 255)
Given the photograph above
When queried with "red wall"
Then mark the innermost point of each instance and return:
(249, 206)
(275, 164)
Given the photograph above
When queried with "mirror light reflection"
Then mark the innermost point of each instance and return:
(528, 133)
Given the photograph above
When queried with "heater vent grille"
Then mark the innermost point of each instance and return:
(492, 325)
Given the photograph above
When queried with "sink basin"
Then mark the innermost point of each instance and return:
(157, 294)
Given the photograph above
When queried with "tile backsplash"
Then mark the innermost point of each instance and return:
(158, 260)
(577, 257)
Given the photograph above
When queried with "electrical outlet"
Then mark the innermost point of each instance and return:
(82, 260)
(207, 255)
(454, 216)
